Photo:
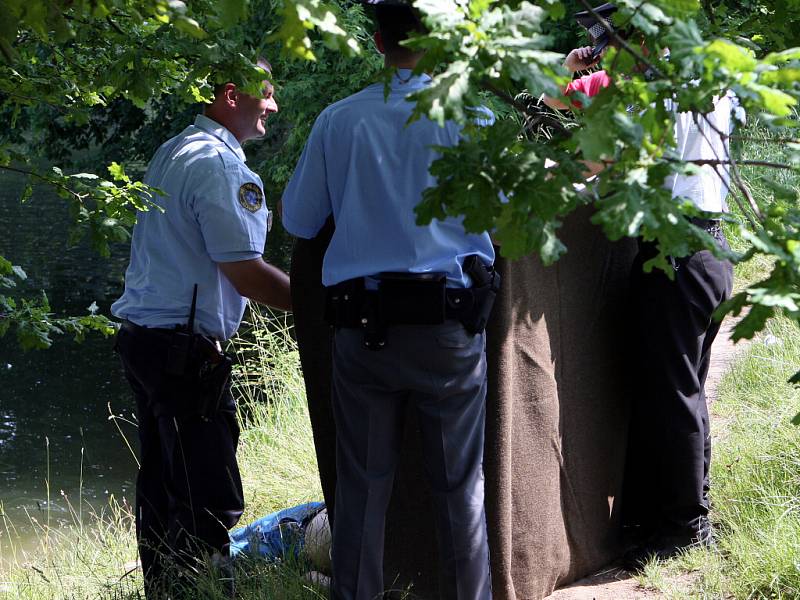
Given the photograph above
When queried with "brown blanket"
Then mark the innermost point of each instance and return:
(556, 422)
(557, 414)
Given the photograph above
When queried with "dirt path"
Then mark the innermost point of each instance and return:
(614, 583)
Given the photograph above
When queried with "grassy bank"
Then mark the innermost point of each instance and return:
(755, 483)
(756, 490)
(97, 559)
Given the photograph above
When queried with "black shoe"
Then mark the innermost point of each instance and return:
(663, 545)
(635, 535)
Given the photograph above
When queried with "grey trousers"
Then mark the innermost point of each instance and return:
(441, 370)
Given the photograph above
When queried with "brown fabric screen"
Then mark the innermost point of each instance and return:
(556, 420)
(557, 414)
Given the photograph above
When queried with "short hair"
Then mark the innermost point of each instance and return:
(395, 23)
(261, 62)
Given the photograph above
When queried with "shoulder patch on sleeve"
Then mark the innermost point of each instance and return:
(251, 197)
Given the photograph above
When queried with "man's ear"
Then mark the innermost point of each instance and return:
(230, 94)
(379, 42)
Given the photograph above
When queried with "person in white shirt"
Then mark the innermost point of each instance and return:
(667, 480)
(698, 138)
(667, 477)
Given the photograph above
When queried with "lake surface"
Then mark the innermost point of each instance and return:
(55, 404)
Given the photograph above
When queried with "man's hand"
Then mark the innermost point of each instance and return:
(259, 281)
(580, 59)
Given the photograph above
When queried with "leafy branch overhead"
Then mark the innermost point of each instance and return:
(502, 49)
(520, 177)
(63, 64)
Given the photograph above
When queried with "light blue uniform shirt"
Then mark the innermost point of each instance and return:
(214, 212)
(366, 167)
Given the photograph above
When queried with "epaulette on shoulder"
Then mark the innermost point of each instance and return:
(226, 155)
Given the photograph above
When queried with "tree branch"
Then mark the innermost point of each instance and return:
(616, 57)
(31, 99)
(740, 184)
(748, 163)
(622, 43)
(41, 177)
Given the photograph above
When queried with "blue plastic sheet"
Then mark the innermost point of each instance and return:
(277, 535)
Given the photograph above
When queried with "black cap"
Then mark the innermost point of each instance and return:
(598, 34)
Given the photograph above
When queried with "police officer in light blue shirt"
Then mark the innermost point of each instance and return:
(409, 305)
(195, 259)
(364, 166)
(213, 213)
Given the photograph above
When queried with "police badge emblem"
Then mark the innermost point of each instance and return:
(251, 197)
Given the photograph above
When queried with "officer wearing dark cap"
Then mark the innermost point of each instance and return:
(193, 266)
(409, 305)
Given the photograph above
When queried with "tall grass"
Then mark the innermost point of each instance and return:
(95, 560)
(95, 556)
(276, 456)
(757, 475)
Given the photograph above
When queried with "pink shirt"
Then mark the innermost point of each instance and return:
(589, 85)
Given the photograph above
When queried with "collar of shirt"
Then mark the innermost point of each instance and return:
(218, 131)
(405, 79)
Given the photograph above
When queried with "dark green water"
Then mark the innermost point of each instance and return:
(55, 404)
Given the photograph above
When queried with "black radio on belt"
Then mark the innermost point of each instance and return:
(200, 361)
(474, 306)
(181, 346)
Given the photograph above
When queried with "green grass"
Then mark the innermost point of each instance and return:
(88, 561)
(96, 559)
(276, 456)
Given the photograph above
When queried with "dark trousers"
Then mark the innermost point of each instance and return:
(188, 490)
(314, 341)
(670, 449)
(441, 371)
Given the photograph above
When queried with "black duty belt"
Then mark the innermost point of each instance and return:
(412, 299)
(133, 328)
(184, 348)
(196, 358)
(165, 332)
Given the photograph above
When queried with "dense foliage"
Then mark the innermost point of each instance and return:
(121, 78)
(116, 70)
